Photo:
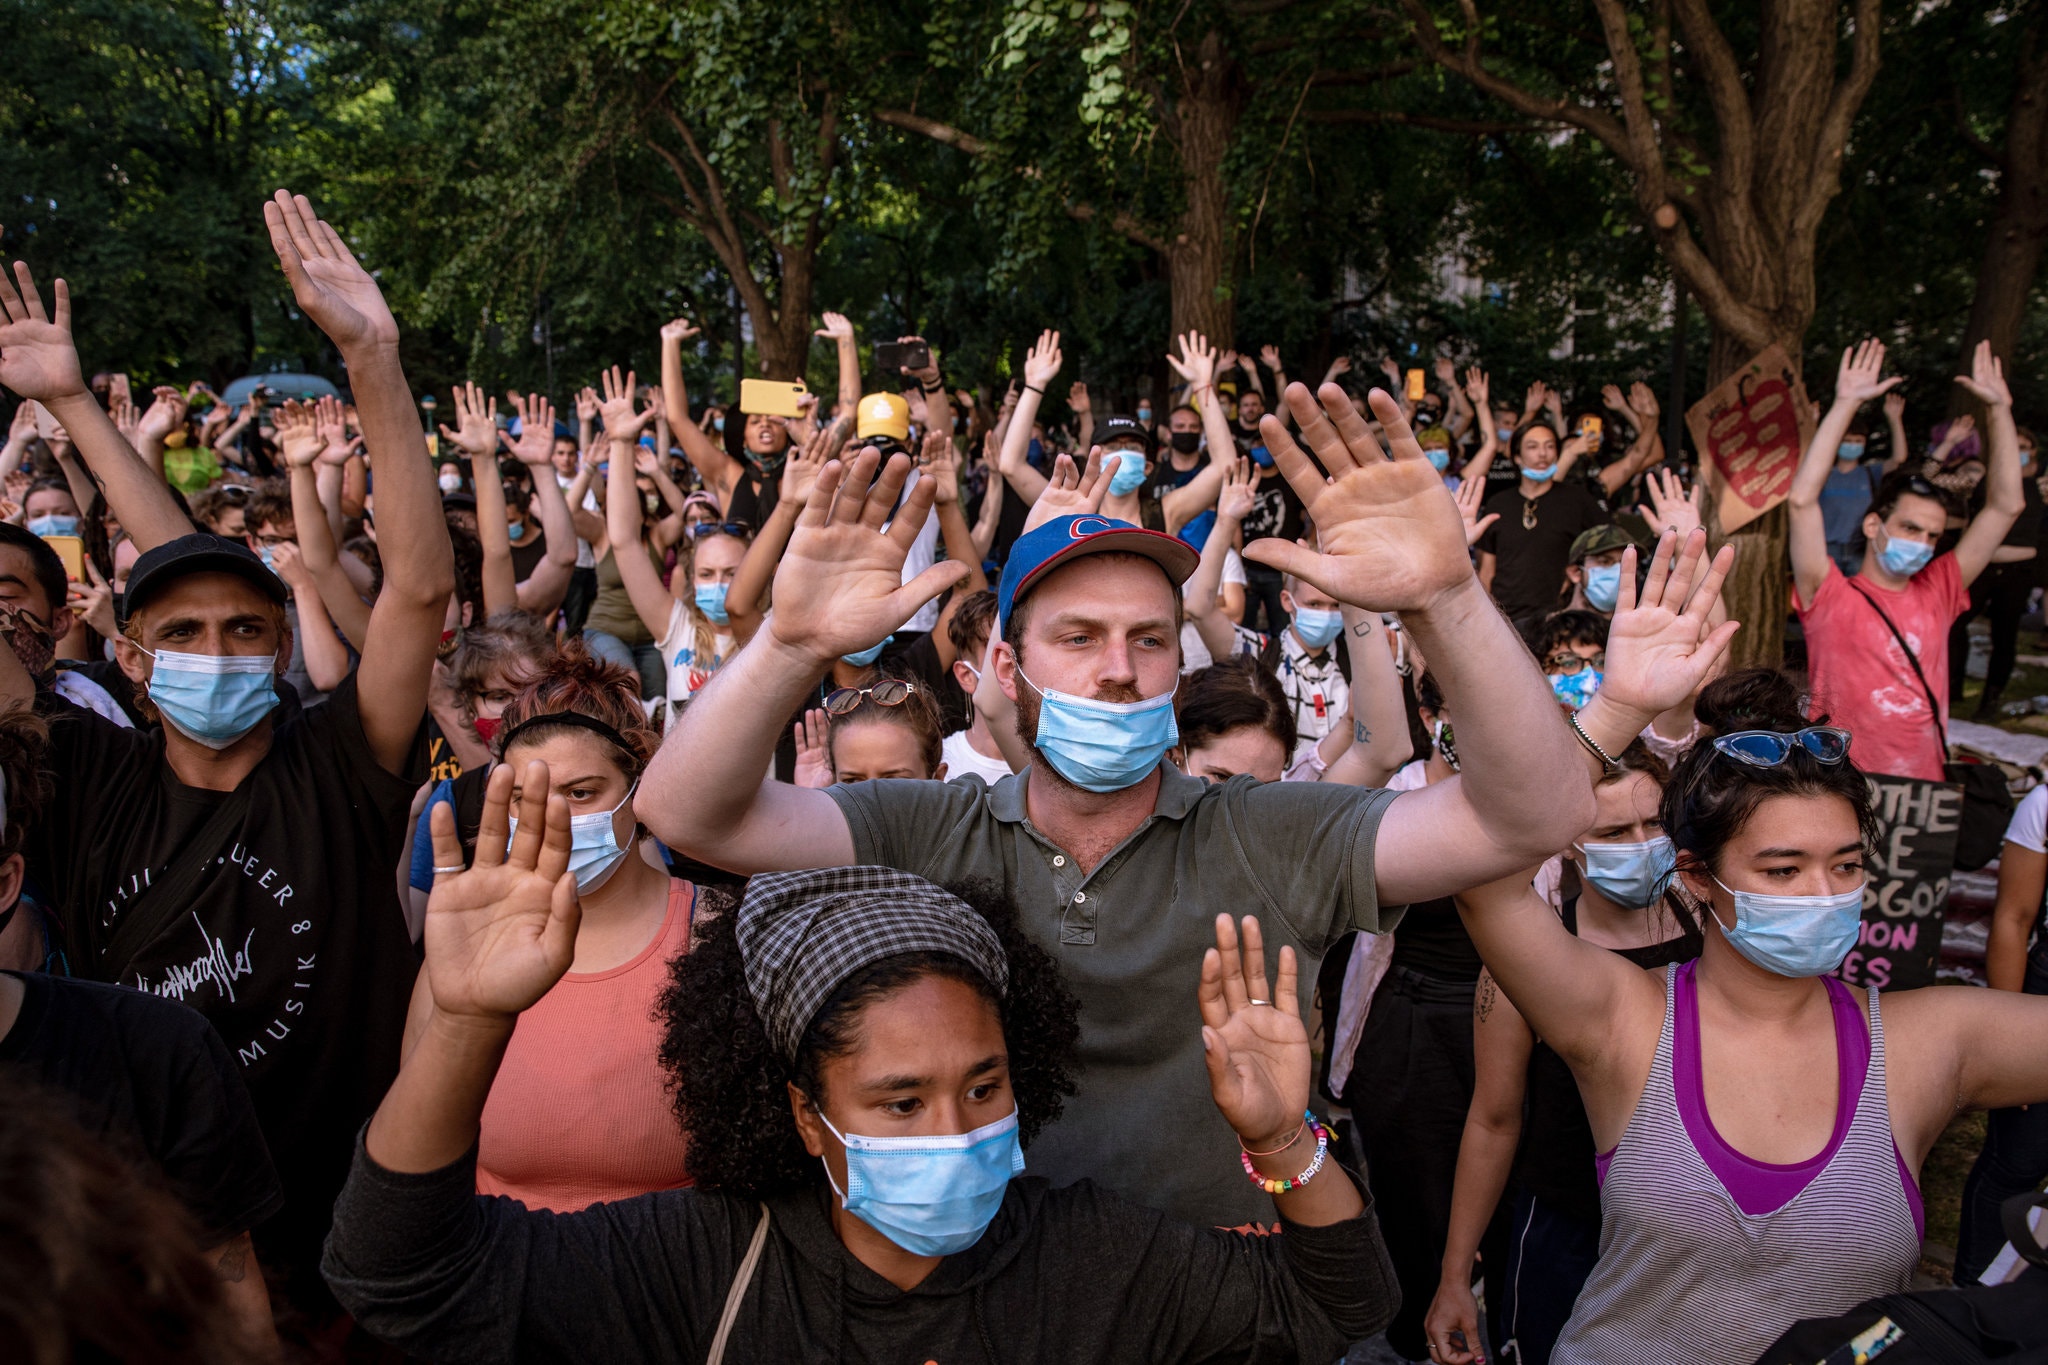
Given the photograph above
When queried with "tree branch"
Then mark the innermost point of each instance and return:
(1991, 155)
(1472, 127)
(1729, 97)
(1468, 64)
(933, 129)
(1833, 135)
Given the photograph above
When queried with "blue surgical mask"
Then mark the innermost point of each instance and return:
(53, 525)
(1144, 413)
(1262, 457)
(1540, 475)
(1794, 935)
(932, 1196)
(263, 553)
(1317, 626)
(594, 852)
(1630, 875)
(1849, 450)
(1903, 557)
(1603, 586)
(517, 530)
(718, 423)
(1130, 472)
(867, 656)
(213, 699)
(1103, 746)
(711, 601)
(1575, 689)
(1504, 434)
(1439, 458)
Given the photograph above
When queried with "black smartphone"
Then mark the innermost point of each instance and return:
(894, 357)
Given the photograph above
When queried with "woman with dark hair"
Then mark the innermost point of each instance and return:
(861, 1057)
(1233, 718)
(1760, 1124)
(1544, 1163)
(578, 1114)
(1522, 555)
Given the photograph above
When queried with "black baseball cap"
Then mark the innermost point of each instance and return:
(1118, 427)
(200, 552)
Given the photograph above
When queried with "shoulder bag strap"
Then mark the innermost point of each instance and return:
(742, 1277)
(162, 899)
(1933, 706)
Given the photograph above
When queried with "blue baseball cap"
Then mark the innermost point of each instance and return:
(1067, 538)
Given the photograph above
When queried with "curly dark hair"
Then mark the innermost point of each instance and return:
(731, 1085)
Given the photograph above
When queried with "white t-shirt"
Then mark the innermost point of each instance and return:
(1315, 686)
(688, 673)
(2029, 827)
(586, 558)
(962, 758)
(924, 552)
(1193, 653)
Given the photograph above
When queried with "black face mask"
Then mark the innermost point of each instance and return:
(1187, 442)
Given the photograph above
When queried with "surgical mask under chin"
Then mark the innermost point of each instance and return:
(932, 1196)
(213, 699)
(711, 601)
(1849, 450)
(1575, 689)
(450, 483)
(1794, 935)
(869, 655)
(1630, 875)
(1544, 475)
(1903, 558)
(1130, 472)
(1317, 626)
(1439, 458)
(1103, 746)
(517, 530)
(594, 851)
(53, 525)
(1603, 586)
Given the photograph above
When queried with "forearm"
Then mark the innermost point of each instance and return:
(2002, 492)
(2005, 950)
(1379, 712)
(959, 542)
(554, 518)
(83, 489)
(137, 496)
(12, 454)
(327, 484)
(849, 375)
(751, 581)
(1199, 598)
(1813, 465)
(326, 655)
(1328, 1198)
(432, 1112)
(412, 529)
(501, 580)
(248, 1301)
(1482, 459)
(1486, 1153)
(991, 519)
(1896, 424)
(309, 518)
(1028, 482)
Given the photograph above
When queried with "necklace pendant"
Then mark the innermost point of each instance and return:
(1528, 514)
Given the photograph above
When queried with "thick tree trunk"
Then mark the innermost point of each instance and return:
(1758, 590)
(1202, 254)
(2018, 230)
(782, 335)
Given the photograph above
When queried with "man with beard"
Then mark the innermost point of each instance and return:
(1118, 863)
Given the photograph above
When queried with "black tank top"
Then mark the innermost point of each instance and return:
(1554, 1160)
(753, 497)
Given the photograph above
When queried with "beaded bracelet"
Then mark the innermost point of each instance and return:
(1283, 1186)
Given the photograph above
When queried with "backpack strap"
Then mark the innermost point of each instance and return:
(741, 1278)
(163, 899)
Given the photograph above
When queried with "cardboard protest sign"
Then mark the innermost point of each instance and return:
(1905, 901)
(1750, 431)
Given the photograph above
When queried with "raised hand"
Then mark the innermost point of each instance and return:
(1533, 400)
(93, 600)
(1471, 497)
(1446, 372)
(1339, 367)
(837, 327)
(1226, 361)
(1391, 368)
(1042, 361)
(37, 357)
(681, 329)
(122, 412)
(328, 282)
(917, 410)
(1610, 397)
(1198, 363)
(22, 427)
(586, 400)
(330, 419)
(1858, 378)
(839, 587)
(165, 414)
(800, 468)
(1253, 1040)
(1391, 535)
(1986, 380)
(1642, 401)
(476, 423)
(813, 749)
(1070, 492)
(500, 934)
(536, 415)
(1479, 390)
(622, 424)
(1895, 406)
(1660, 648)
(1671, 508)
(930, 373)
(1234, 501)
(941, 464)
(298, 434)
(1269, 356)
(285, 562)
(1077, 398)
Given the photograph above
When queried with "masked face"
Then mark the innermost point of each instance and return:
(209, 652)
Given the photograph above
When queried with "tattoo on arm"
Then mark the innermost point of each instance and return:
(1487, 995)
(233, 1264)
(1359, 734)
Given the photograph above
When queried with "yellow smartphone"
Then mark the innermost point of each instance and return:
(773, 397)
(71, 550)
(1415, 389)
(1590, 427)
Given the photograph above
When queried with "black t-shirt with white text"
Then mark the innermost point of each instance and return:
(152, 1079)
(1276, 510)
(292, 943)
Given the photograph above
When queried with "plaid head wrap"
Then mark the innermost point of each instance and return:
(802, 933)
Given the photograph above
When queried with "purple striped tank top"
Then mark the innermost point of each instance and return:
(1706, 1255)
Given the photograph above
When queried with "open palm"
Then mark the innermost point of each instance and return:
(1257, 1053)
(37, 357)
(1070, 492)
(615, 405)
(500, 934)
(1660, 648)
(476, 423)
(1392, 538)
(328, 282)
(536, 429)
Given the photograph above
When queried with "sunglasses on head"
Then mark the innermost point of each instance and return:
(887, 692)
(1769, 748)
(713, 528)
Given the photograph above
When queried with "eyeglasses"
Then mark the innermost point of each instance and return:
(1769, 748)
(738, 529)
(887, 692)
(1565, 665)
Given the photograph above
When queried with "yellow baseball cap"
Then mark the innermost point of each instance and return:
(882, 414)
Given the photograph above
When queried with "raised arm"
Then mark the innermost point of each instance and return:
(326, 655)
(1645, 450)
(746, 602)
(476, 436)
(713, 465)
(838, 589)
(991, 519)
(1196, 365)
(622, 516)
(1479, 391)
(332, 288)
(840, 330)
(1895, 422)
(1377, 741)
(39, 361)
(548, 584)
(1041, 363)
(298, 439)
(166, 414)
(1855, 382)
(2004, 499)
(1201, 602)
(1392, 540)
(942, 467)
